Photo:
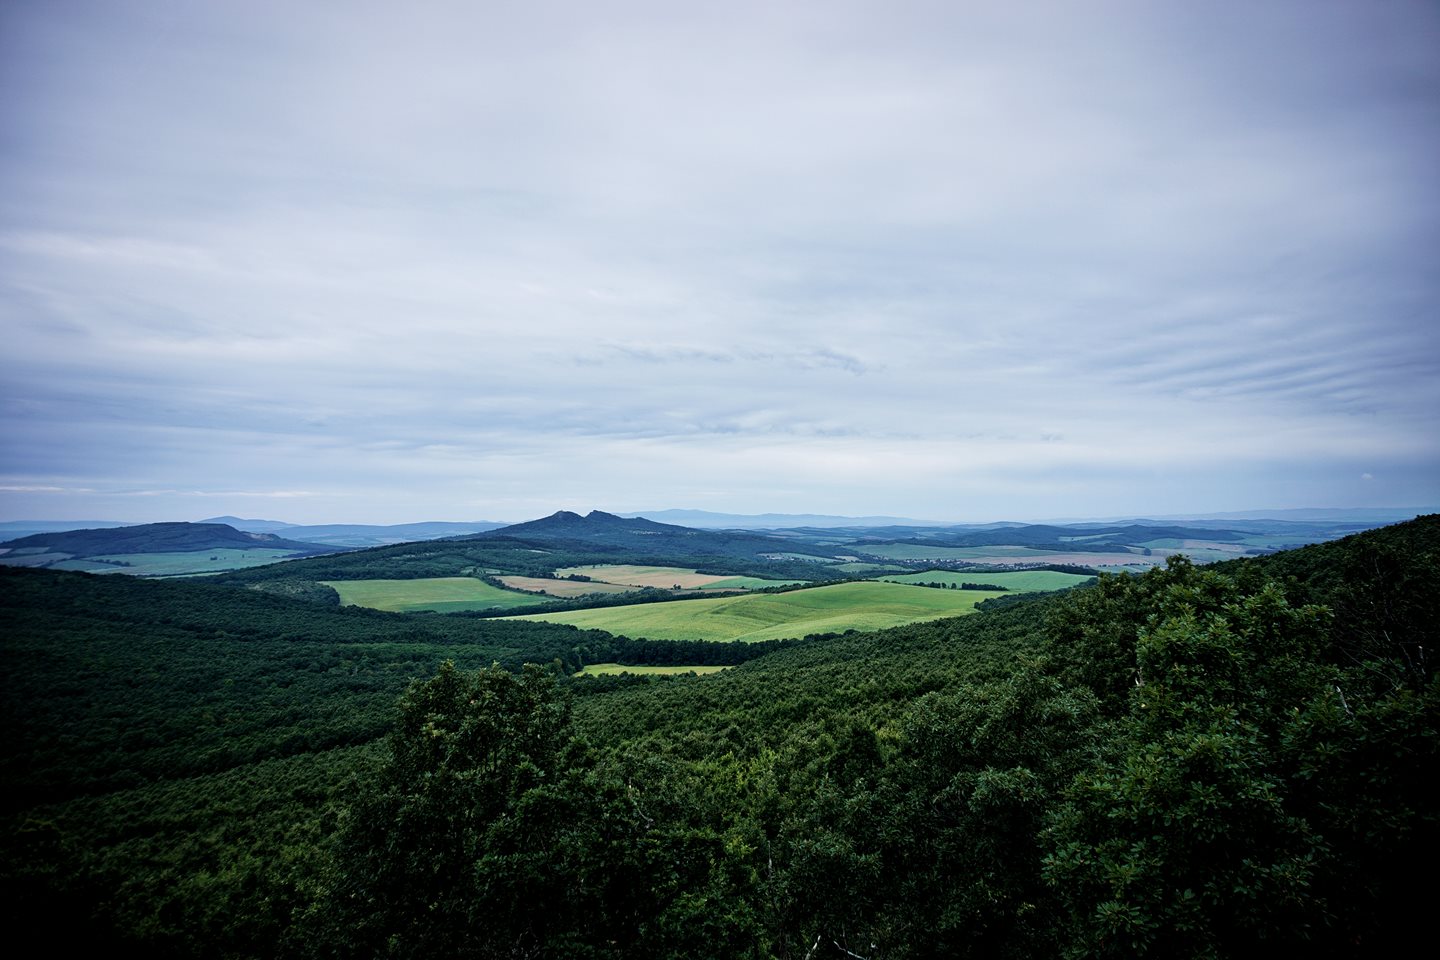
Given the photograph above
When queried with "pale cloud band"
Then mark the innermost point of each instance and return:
(950, 260)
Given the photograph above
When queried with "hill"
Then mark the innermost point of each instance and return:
(935, 789)
(607, 531)
(153, 548)
(1185, 763)
(352, 535)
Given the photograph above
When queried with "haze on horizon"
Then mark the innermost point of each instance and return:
(955, 261)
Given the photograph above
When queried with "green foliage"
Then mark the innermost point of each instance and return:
(445, 854)
(1197, 762)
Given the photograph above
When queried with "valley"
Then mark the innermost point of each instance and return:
(917, 753)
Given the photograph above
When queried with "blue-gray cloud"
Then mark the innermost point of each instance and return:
(941, 259)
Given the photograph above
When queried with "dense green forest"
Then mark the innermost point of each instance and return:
(1200, 761)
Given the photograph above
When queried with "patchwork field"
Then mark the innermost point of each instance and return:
(868, 605)
(440, 594)
(665, 578)
(609, 669)
(1020, 581)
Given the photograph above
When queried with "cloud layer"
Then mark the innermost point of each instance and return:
(355, 262)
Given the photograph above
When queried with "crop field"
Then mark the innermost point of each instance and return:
(867, 605)
(562, 588)
(608, 669)
(635, 575)
(1019, 581)
(176, 564)
(441, 594)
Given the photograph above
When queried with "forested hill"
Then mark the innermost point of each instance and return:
(1216, 762)
(157, 538)
(600, 530)
(1094, 538)
(539, 547)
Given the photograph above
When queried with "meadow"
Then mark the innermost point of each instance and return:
(440, 594)
(866, 605)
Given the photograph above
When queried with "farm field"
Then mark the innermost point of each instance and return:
(867, 605)
(440, 594)
(562, 588)
(1020, 581)
(609, 669)
(636, 575)
(178, 564)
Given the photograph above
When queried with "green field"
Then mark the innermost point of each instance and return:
(608, 669)
(1019, 581)
(868, 605)
(176, 564)
(441, 594)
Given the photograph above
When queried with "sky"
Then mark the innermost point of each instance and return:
(378, 262)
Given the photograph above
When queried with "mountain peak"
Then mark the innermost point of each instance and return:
(603, 517)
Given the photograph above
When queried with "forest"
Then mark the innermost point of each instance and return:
(1198, 761)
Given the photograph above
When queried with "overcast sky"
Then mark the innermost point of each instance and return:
(382, 262)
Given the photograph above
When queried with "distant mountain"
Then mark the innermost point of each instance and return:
(366, 535)
(705, 519)
(597, 524)
(638, 535)
(251, 526)
(13, 529)
(1097, 538)
(153, 538)
(351, 535)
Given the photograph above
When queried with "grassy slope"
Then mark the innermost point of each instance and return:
(867, 605)
(433, 593)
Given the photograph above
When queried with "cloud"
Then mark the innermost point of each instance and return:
(892, 255)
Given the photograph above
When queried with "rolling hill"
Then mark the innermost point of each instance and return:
(174, 547)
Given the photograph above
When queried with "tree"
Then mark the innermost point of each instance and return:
(447, 852)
